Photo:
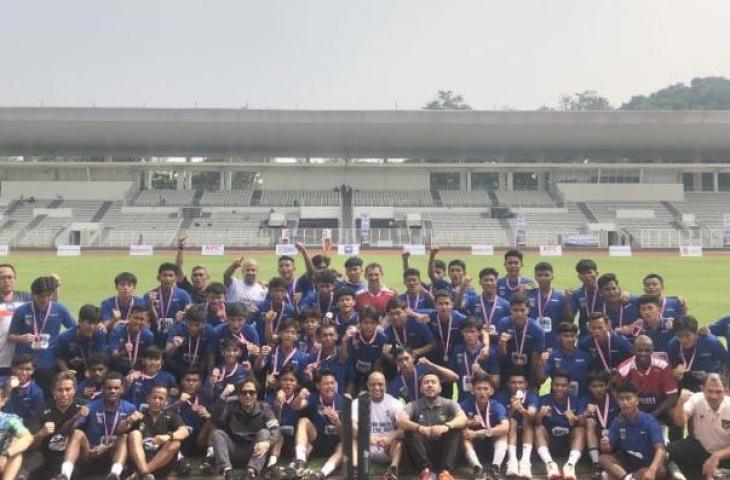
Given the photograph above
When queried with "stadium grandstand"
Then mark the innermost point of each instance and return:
(110, 178)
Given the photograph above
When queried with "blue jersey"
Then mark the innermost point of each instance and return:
(549, 311)
(534, 340)
(342, 370)
(530, 401)
(584, 302)
(276, 360)
(557, 423)
(102, 421)
(323, 304)
(407, 387)
(166, 307)
(46, 325)
(418, 302)
(355, 287)
(228, 376)
(288, 417)
(306, 343)
(190, 416)
(303, 285)
(488, 313)
(119, 338)
(413, 335)
(489, 417)
(606, 416)
(138, 390)
(446, 339)
(575, 363)
(112, 303)
(620, 350)
(363, 355)
(321, 422)
(506, 289)
(461, 361)
(661, 335)
(86, 390)
(636, 438)
(621, 315)
(259, 318)
(721, 328)
(24, 400)
(222, 333)
(74, 349)
(671, 307)
(708, 356)
(343, 323)
(193, 350)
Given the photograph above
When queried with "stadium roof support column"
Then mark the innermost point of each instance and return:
(148, 179)
(510, 181)
(229, 180)
(715, 182)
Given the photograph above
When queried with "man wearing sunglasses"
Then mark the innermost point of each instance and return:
(244, 430)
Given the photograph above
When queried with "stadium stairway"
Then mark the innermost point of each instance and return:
(28, 228)
(493, 197)
(13, 207)
(587, 212)
(436, 196)
(256, 198)
(99, 214)
(196, 198)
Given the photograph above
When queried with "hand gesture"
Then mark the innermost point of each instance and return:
(544, 411)
(136, 416)
(129, 347)
(215, 375)
(159, 439)
(265, 350)
(591, 409)
(152, 295)
(13, 382)
(678, 371)
(181, 240)
(228, 390)
(469, 434)
(300, 247)
(544, 357)
(280, 398)
(48, 429)
(570, 416)
(260, 449)
(424, 361)
(177, 341)
(238, 263)
(505, 337)
(84, 411)
(184, 397)
(484, 354)
(304, 394)
(434, 250)
(270, 316)
(405, 255)
(569, 292)
(116, 314)
(684, 395)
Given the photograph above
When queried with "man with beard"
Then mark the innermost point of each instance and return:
(375, 295)
(247, 291)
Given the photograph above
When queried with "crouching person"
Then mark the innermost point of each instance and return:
(244, 430)
(155, 440)
(14, 440)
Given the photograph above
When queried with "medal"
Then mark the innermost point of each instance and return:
(603, 419)
(286, 360)
(599, 351)
(687, 365)
(488, 318)
(135, 351)
(448, 336)
(484, 419)
(413, 307)
(520, 358)
(40, 343)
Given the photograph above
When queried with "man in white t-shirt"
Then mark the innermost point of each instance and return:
(385, 438)
(247, 291)
(708, 450)
(10, 299)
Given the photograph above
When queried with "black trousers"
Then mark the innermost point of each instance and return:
(435, 454)
(690, 455)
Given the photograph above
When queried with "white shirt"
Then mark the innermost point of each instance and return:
(238, 291)
(7, 349)
(382, 415)
(711, 428)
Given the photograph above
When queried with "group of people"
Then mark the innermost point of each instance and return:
(252, 375)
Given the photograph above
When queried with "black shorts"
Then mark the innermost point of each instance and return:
(484, 448)
(629, 463)
(166, 470)
(559, 446)
(94, 466)
(325, 445)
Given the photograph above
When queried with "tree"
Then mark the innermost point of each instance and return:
(583, 101)
(447, 100)
(709, 93)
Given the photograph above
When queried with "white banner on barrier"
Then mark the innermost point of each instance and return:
(415, 249)
(482, 250)
(286, 249)
(68, 250)
(4, 250)
(551, 251)
(141, 250)
(348, 249)
(690, 251)
(619, 251)
(212, 249)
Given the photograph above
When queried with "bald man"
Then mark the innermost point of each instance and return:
(386, 444)
(247, 291)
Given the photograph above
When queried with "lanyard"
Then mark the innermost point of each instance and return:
(488, 318)
(226, 375)
(540, 307)
(414, 306)
(81, 347)
(467, 360)
(135, 351)
(319, 304)
(402, 340)
(603, 419)
(558, 410)
(286, 360)
(36, 331)
(193, 354)
(367, 342)
(484, 419)
(329, 357)
(510, 287)
(620, 314)
(164, 311)
(109, 432)
(322, 402)
(664, 306)
(354, 318)
(129, 307)
(592, 308)
(521, 347)
(448, 333)
(599, 350)
(688, 365)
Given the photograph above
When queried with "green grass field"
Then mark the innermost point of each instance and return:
(89, 278)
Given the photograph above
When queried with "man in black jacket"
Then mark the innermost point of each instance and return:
(244, 430)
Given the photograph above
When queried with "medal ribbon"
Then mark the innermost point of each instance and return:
(36, 331)
(488, 318)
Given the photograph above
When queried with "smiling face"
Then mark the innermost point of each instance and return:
(354, 273)
(327, 386)
(430, 386)
(376, 386)
(167, 279)
(286, 269)
(288, 336)
(250, 272)
(375, 276)
(23, 371)
(611, 292)
(588, 278)
(7, 280)
(559, 387)
(456, 274)
(157, 398)
(247, 395)
(63, 393)
(346, 303)
(288, 382)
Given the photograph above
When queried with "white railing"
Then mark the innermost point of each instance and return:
(668, 238)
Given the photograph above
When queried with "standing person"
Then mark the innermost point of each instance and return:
(416, 297)
(621, 314)
(247, 290)
(708, 449)
(605, 348)
(166, 301)
(385, 438)
(488, 307)
(129, 340)
(585, 299)
(119, 307)
(35, 329)
(406, 332)
(521, 339)
(376, 295)
(670, 306)
(188, 342)
(353, 274)
(14, 440)
(566, 356)
(432, 426)
(653, 325)
(693, 356)
(547, 305)
(10, 300)
(76, 344)
(199, 274)
(513, 282)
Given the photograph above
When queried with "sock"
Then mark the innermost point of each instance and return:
(272, 461)
(471, 456)
(209, 453)
(628, 476)
(67, 468)
(573, 457)
(512, 450)
(180, 456)
(593, 453)
(328, 468)
(544, 454)
(526, 452)
(500, 450)
(300, 453)
(117, 468)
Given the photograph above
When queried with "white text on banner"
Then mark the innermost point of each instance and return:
(68, 251)
(415, 249)
(619, 251)
(286, 249)
(690, 251)
(482, 250)
(141, 250)
(212, 249)
(551, 251)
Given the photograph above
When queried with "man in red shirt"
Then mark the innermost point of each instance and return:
(376, 295)
(654, 381)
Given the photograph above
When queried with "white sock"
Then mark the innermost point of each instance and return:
(117, 468)
(500, 450)
(526, 452)
(593, 453)
(573, 457)
(328, 468)
(512, 450)
(472, 457)
(301, 453)
(67, 468)
(209, 452)
(272, 461)
(544, 454)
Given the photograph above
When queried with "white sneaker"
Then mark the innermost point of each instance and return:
(553, 472)
(674, 472)
(512, 468)
(525, 469)
(569, 471)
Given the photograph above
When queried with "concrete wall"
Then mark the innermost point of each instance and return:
(386, 178)
(623, 192)
(68, 190)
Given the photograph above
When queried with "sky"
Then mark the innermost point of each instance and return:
(352, 54)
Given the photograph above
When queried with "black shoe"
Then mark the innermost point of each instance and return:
(249, 474)
(229, 474)
(296, 469)
(207, 467)
(493, 473)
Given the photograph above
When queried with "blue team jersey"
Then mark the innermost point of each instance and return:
(138, 390)
(166, 307)
(505, 289)
(102, 421)
(190, 417)
(110, 304)
(306, 343)
(259, 319)
(407, 388)
(276, 360)
(355, 287)
(504, 396)
(576, 364)
(488, 313)
(342, 370)
(661, 335)
(47, 324)
(620, 351)
(442, 335)
(636, 438)
(222, 333)
(584, 302)
(557, 423)
(363, 355)
(621, 315)
(461, 361)
(548, 311)
(671, 307)
(612, 412)
(288, 417)
(74, 349)
(23, 400)
(193, 350)
(86, 390)
(708, 356)
(228, 376)
(489, 417)
(117, 341)
(721, 328)
(418, 302)
(303, 285)
(343, 323)
(323, 304)
(413, 335)
(321, 422)
(533, 335)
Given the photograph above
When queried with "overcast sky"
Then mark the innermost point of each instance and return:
(350, 53)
